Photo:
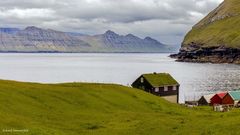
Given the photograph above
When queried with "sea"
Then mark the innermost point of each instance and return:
(196, 79)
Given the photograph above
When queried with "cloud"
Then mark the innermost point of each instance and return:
(166, 20)
(30, 13)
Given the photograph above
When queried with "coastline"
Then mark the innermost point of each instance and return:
(208, 55)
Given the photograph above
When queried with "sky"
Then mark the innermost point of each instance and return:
(165, 20)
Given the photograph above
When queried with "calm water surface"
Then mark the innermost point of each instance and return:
(195, 79)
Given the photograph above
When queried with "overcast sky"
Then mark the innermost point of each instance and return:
(166, 20)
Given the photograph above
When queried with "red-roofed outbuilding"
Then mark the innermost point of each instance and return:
(217, 98)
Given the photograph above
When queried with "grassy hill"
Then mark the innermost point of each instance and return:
(219, 28)
(216, 38)
(84, 108)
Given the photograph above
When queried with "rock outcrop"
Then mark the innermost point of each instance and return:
(198, 54)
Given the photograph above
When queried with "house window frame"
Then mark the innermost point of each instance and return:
(174, 87)
(142, 80)
(165, 88)
(156, 89)
(142, 87)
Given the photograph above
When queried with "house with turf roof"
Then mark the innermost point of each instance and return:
(160, 84)
(232, 98)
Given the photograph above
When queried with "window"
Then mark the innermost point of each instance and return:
(142, 87)
(174, 87)
(142, 79)
(165, 88)
(156, 89)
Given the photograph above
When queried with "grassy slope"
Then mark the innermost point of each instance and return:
(80, 108)
(222, 32)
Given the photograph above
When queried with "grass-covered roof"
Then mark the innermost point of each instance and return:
(160, 79)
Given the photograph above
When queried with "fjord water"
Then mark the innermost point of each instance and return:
(122, 68)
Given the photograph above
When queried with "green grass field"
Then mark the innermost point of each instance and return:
(103, 109)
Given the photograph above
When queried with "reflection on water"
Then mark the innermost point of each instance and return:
(195, 79)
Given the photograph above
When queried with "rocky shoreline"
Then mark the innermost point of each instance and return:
(194, 53)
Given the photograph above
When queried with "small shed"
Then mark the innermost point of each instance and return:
(205, 99)
(161, 84)
(232, 98)
(217, 98)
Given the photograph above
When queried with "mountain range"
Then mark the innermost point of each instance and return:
(216, 38)
(34, 39)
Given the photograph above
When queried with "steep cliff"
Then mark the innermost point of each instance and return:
(216, 38)
(33, 39)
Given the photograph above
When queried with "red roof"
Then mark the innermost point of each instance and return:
(217, 98)
(222, 94)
